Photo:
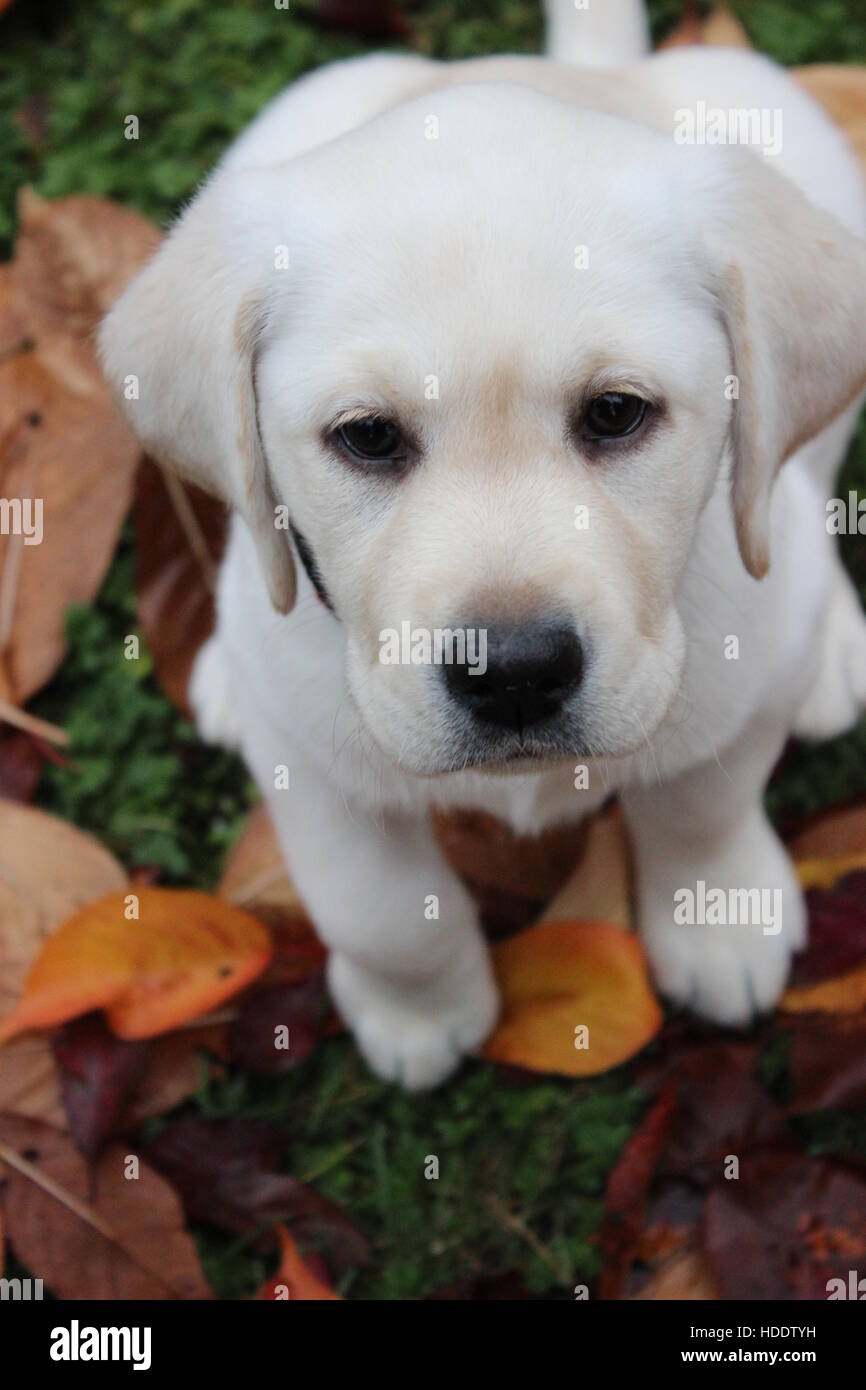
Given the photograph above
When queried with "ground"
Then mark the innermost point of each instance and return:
(523, 1162)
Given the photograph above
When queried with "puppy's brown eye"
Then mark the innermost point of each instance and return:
(373, 438)
(613, 415)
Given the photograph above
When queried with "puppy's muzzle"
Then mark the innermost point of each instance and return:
(531, 671)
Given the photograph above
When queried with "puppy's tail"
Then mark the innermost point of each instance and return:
(596, 33)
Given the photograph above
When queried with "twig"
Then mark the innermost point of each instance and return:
(66, 1199)
(190, 526)
(52, 733)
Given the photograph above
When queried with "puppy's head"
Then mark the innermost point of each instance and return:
(492, 378)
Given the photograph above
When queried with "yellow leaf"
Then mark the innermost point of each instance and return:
(824, 873)
(560, 978)
(844, 994)
(184, 954)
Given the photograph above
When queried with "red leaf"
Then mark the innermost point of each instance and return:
(785, 1227)
(301, 1008)
(225, 1173)
(627, 1189)
(98, 1076)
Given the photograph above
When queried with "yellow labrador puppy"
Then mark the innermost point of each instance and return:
(498, 363)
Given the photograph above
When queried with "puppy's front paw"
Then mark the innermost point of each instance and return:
(415, 1035)
(724, 949)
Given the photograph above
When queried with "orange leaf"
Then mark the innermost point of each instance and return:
(293, 1279)
(185, 954)
(559, 976)
(844, 994)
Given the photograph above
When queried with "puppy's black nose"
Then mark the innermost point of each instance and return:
(530, 672)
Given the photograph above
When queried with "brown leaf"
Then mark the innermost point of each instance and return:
(841, 89)
(133, 1245)
(684, 1275)
(298, 1011)
(256, 879)
(226, 1173)
(626, 1193)
(833, 836)
(48, 869)
(598, 890)
(74, 256)
(294, 1278)
(98, 1074)
(62, 443)
(178, 547)
(785, 1227)
(827, 1062)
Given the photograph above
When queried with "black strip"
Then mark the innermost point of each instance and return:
(314, 574)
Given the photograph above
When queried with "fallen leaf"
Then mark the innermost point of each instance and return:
(63, 446)
(844, 994)
(267, 1017)
(21, 763)
(255, 878)
(557, 977)
(178, 547)
(685, 1275)
(98, 1075)
(827, 1062)
(371, 19)
(226, 1173)
(598, 889)
(831, 836)
(489, 856)
(625, 1195)
(841, 90)
(721, 1110)
(787, 1226)
(826, 873)
(837, 931)
(186, 953)
(111, 1237)
(722, 29)
(48, 869)
(294, 1279)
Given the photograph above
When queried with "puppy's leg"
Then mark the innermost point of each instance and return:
(709, 825)
(838, 696)
(409, 969)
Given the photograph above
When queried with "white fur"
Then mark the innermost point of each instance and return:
(453, 257)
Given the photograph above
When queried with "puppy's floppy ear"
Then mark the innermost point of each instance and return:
(791, 284)
(181, 342)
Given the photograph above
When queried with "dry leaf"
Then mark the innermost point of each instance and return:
(178, 547)
(558, 977)
(186, 953)
(255, 878)
(684, 1275)
(48, 870)
(831, 836)
(723, 30)
(294, 1279)
(846, 994)
(62, 443)
(599, 888)
(111, 1237)
(841, 89)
